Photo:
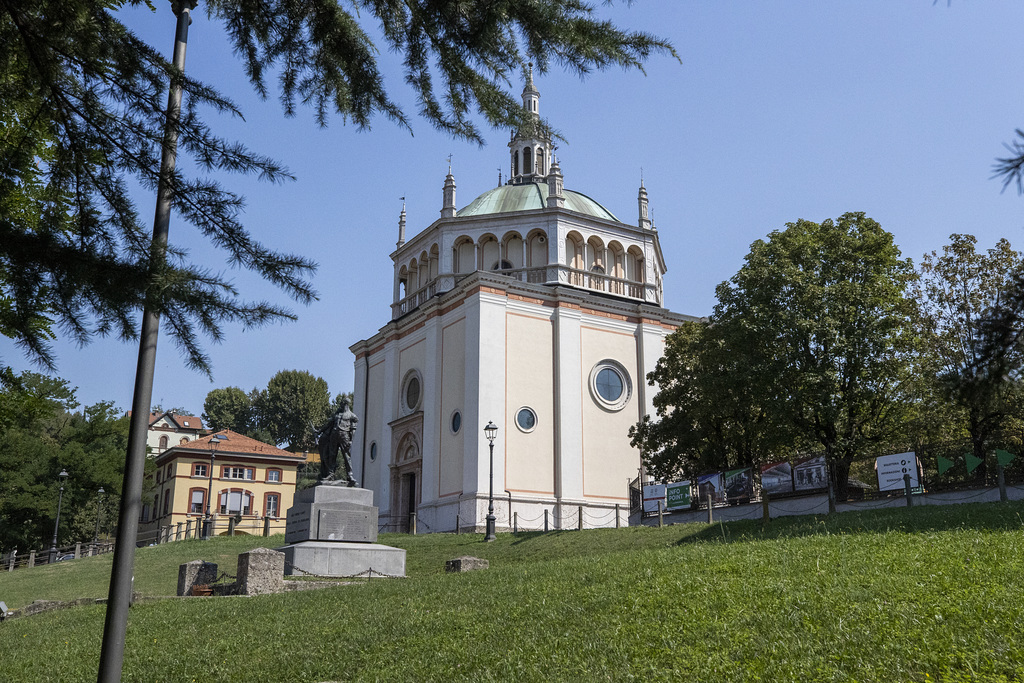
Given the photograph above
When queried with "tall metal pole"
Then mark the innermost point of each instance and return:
(56, 525)
(121, 576)
(99, 501)
(491, 431)
(209, 497)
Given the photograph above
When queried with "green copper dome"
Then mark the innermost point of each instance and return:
(529, 196)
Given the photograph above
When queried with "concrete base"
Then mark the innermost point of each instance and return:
(326, 558)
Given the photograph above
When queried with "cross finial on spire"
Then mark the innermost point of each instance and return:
(449, 163)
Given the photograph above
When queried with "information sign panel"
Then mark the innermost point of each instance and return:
(678, 495)
(891, 469)
(653, 494)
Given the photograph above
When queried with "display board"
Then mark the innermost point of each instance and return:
(777, 477)
(678, 495)
(891, 469)
(653, 494)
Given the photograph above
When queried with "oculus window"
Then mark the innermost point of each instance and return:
(373, 451)
(526, 419)
(610, 385)
(412, 392)
(456, 423)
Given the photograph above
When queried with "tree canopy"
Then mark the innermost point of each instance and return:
(82, 119)
(959, 294)
(40, 436)
(810, 344)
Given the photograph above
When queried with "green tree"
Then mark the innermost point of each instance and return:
(816, 335)
(39, 437)
(82, 99)
(957, 292)
(827, 303)
(229, 408)
(294, 404)
(711, 412)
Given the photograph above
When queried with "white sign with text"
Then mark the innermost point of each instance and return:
(891, 469)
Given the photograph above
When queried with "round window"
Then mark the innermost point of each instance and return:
(526, 419)
(610, 385)
(373, 451)
(456, 422)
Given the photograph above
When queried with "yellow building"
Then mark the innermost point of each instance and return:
(246, 477)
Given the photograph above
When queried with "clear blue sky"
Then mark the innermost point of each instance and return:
(779, 110)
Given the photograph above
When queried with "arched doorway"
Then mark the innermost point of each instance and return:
(406, 480)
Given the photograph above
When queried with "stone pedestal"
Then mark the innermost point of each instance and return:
(195, 573)
(332, 513)
(332, 531)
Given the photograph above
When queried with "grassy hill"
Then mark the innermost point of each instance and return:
(916, 594)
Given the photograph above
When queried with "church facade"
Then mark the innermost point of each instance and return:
(537, 309)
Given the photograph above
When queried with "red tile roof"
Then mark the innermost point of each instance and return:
(238, 443)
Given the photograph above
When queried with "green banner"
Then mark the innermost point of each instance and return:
(678, 495)
(1004, 458)
(944, 464)
(972, 462)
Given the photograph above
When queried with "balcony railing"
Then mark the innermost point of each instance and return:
(549, 274)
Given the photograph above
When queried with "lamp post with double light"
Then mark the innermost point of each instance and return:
(490, 431)
(56, 525)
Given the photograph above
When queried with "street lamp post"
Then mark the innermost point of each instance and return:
(490, 431)
(214, 442)
(99, 501)
(56, 525)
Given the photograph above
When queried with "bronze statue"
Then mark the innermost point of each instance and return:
(335, 438)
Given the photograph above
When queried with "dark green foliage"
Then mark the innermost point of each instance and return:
(968, 311)
(82, 114)
(229, 408)
(40, 440)
(810, 344)
(294, 404)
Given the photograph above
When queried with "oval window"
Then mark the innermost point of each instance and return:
(412, 392)
(456, 422)
(526, 419)
(373, 451)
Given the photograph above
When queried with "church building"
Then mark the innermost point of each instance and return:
(535, 308)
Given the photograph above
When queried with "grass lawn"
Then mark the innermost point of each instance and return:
(920, 594)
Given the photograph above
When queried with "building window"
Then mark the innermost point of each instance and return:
(456, 422)
(167, 475)
(158, 476)
(526, 419)
(412, 392)
(163, 442)
(373, 451)
(145, 513)
(167, 502)
(199, 469)
(184, 439)
(233, 472)
(274, 475)
(235, 502)
(272, 504)
(197, 501)
(610, 385)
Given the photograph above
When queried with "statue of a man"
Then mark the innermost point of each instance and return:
(334, 439)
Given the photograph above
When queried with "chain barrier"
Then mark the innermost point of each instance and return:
(368, 574)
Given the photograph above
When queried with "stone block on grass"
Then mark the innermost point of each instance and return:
(195, 573)
(465, 564)
(260, 571)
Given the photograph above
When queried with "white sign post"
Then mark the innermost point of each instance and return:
(891, 469)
